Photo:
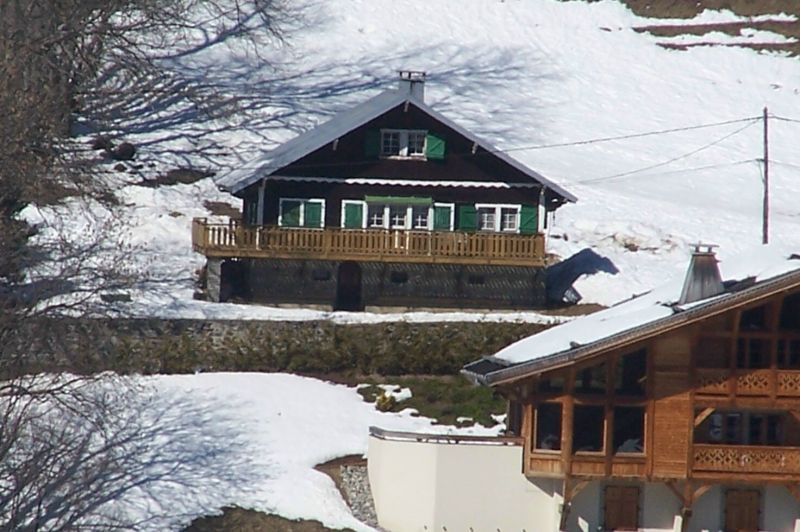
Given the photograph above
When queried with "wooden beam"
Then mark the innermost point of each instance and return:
(794, 489)
(571, 489)
(702, 416)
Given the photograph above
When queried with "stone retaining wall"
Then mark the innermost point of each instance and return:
(310, 347)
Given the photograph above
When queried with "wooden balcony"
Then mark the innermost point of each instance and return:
(742, 462)
(551, 464)
(232, 240)
(748, 382)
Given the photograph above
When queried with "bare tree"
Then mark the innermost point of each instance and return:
(81, 452)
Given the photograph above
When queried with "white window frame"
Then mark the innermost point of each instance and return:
(363, 212)
(303, 202)
(403, 139)
(452, 214)
(409, 222)
(498, 212)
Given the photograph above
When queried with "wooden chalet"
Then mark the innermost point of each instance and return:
(387, 204)
(694, 397)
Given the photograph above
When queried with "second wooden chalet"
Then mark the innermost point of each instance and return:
(387, 204)
(678, 410)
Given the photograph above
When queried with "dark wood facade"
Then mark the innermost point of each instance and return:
(470, 213)
(714, 402)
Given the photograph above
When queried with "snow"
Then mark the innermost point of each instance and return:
(770, 262)
(746, 36)
(525, 76)
(284, 425)
(393, 390)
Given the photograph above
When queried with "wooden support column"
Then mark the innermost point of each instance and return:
(572, 487)
(568, 407)
(702, 416)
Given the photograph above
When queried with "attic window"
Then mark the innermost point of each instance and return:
(403, 142)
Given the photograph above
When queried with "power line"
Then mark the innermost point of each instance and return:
(673, 159)
(624, 137)
(785, 119)
(468, 154)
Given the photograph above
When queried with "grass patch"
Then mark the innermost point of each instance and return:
(444, 398)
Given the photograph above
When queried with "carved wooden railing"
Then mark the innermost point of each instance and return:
(756, 460)
(234, 240)
(754, 382)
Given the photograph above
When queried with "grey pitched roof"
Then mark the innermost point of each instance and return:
(347, 121)
(632, 321)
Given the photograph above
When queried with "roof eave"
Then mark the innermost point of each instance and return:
(643, 332)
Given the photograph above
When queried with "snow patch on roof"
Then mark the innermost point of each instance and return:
(761, 263)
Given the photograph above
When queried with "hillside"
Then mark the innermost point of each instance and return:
(543, 80)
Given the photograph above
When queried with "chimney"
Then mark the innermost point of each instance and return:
(703, 279)
(413, 82)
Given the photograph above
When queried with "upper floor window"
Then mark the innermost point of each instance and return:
(498, 218)
(403, 142)
(301, 212)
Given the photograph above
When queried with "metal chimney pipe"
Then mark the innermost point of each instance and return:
(413, 82)
(703, 279)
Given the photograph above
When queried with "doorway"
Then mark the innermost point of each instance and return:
(348, 287)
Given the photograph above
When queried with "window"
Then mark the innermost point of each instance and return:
(790, 313)
(621, 508)
(591, 380)
(498, 218)
(376, 216)
(743, 428)
(400, 215)
(631, 373)
(548, 426)
(476, 279)
(509, 219)
(552, 384)
(486, 221)
(390, 143)
(397, 216)
(754, 319)
(628, 434)
(587, 428)
(301, 213)
(752, 353)
(419, 217)
(398, 277)
(403, 142)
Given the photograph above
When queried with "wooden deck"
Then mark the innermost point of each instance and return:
(231, 240)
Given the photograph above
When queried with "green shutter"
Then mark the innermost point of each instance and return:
(353, 215)
(441, 217)
(312, 214)
(290, 213)
(399, 200)
(467, 218)
(528, 220)
(434, 147)
(372, 144)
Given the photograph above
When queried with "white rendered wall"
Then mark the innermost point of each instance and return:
(432, 487)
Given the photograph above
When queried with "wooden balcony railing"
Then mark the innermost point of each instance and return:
(746, 460)
(228, 240)
(750, 382)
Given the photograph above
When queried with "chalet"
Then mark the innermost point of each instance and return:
(678, 410)
(387, 204)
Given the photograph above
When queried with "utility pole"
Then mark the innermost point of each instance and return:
(765, 223)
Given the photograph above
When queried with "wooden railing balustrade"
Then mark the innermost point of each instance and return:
(748, 382)
(746, 459)
(231, 239)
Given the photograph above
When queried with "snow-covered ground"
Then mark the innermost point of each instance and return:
(280, 426)
(526, 76)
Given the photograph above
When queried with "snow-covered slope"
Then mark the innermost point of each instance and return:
(526, 75)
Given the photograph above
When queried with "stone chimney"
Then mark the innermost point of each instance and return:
(703, 279)
(413, 82)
